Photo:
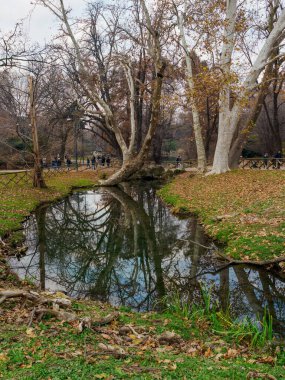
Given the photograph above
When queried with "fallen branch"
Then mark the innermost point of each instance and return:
(195, 242)
(251, 262)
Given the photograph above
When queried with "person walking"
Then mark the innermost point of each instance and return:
(103, 160)
(278, 159)
(108, 161)
(88, 162)
(265, 160)
(178, 161)
(93, 162)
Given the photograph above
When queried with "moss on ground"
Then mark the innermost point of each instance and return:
(244, 209)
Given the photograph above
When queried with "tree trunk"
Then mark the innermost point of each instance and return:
(129, 167)
(201, 155)
(229, 117)
(64, 137)
(221, 158)
(38, 180)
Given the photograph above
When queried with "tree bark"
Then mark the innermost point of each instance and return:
(229, 118)
(201, 155)
(38, 180)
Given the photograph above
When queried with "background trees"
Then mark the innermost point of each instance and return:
(145, 75)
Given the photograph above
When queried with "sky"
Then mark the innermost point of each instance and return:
(39, 23)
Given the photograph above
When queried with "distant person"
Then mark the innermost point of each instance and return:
(108, 161)
(178, 161)
(278, 159)
(68, 163)
(103, 160)
(265, 160)
(93, 162)
(88, 162)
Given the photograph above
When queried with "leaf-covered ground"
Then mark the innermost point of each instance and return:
(244, 209)
(133, 346)
(167, 345)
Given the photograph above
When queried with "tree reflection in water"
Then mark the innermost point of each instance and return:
(125, 247)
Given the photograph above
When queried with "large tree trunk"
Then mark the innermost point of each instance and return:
(130, 167)
(38, 179)
(221, 158)
(225, 129)
(229, 118)
(201, 155)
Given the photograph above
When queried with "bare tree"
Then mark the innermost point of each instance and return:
(96, 92)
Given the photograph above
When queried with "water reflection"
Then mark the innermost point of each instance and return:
(125, 247)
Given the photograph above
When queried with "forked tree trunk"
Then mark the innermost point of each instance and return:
(229, 118)
(132, 161)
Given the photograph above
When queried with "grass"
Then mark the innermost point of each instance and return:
(18, 201)
(210, 346)
(219, 322)
(243, 209)
(56, 350)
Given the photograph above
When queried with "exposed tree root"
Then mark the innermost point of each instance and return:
(32, 296)
(59, 314)
(39, 310)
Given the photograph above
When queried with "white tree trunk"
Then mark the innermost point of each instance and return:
(228, 119)
(201, 154)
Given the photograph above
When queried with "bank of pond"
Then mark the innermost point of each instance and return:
(125, 247)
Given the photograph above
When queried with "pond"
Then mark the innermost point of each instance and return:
(125, 247)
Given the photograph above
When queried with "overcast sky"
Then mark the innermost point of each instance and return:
(39, 23)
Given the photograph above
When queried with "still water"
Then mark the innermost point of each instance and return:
(124, 246)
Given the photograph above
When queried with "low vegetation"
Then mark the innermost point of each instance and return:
(19, 200)
(78, 341)
(243, 209)
(101, 342)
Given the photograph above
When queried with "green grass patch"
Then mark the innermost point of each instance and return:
(18, 202)
(236, 208)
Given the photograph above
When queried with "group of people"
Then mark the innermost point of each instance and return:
(99, 160)
(93, 162)
(276, 159)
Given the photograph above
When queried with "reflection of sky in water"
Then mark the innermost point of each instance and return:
(131, 250)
